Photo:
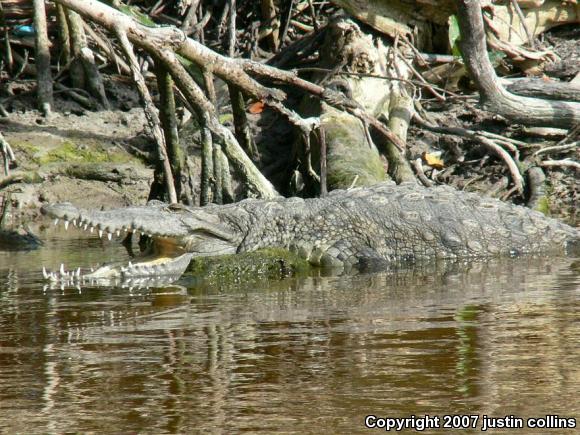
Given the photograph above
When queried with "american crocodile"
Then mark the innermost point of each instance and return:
(348, 228)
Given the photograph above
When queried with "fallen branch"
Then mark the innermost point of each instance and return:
(418, 165)
(558, 148)
(74, 94)
(485, 140)
(20, 177)
(493, 95)
(540, 89)
(106, 172)
(569, 163)
(573, 134)
(509, 161)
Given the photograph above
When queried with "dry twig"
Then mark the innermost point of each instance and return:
(569, 163)
(7, 154)
(491, 144)
(557, 148)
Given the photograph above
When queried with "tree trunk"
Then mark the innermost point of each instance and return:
(44, 76)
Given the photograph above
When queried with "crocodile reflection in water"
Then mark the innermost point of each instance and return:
(356, 228)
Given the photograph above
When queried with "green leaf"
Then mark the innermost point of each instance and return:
(454, 36)
(134, 12)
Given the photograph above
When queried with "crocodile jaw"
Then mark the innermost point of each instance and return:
(145, 267)
(166, 255)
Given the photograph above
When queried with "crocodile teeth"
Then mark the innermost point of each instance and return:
(66, 225)
(92, 229)
(62, 271)
(100, 234)
(78, 273)
(74, 222)
(45, 273)
(85, 226)
(56, 222)
(117, 233)
(109, 236)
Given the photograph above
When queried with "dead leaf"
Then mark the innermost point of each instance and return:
(257, 107)
(433, 161)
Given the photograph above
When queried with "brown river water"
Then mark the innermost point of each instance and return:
(477, 341)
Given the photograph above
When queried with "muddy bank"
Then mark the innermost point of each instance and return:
(93, 159)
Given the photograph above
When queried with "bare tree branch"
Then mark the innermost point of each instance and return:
(494, 96)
